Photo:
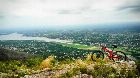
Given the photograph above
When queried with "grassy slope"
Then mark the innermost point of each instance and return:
(16, 64)
(64, 69)
(75, 68)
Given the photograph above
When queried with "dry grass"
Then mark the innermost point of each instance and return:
(48, 62)
(80, 63)
(89, 57)
(98, 68)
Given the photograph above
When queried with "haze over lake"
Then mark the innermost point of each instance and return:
(17, 36)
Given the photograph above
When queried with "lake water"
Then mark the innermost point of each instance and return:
(17, 36)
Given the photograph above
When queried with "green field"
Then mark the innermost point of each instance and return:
(86, 47)
(79, 46)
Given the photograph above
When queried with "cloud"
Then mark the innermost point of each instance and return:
(67, 12)
(134, 9)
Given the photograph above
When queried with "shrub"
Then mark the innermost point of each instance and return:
(88, 57)
(9, 66)
(48, 63)
(127, 73)
(80, 63)
(102, 71)
(33, 61)
(70, 73)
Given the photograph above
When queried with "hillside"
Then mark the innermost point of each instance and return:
(16, 64)
(36, 67)
(85, 69)
(6, 54)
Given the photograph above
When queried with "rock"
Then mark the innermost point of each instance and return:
(83, 76)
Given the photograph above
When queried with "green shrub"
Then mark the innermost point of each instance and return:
(16, 69)
(9, 66)
(34, 61)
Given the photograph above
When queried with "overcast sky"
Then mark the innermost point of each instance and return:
(29, 13)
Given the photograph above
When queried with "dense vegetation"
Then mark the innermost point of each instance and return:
(6, 55)
(45, 49)
(17, 64)
(128, 40)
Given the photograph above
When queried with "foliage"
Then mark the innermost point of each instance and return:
(48, 62)
(9, 66)
(99, 69)
(18, 68)
(103, 71)
(6, 54)
(13, 68)
(33, 61)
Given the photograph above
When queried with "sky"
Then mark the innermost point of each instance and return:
(59, 13)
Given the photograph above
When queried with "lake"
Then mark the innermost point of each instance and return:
(17, 36)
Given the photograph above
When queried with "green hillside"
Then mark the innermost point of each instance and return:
(37, 67)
